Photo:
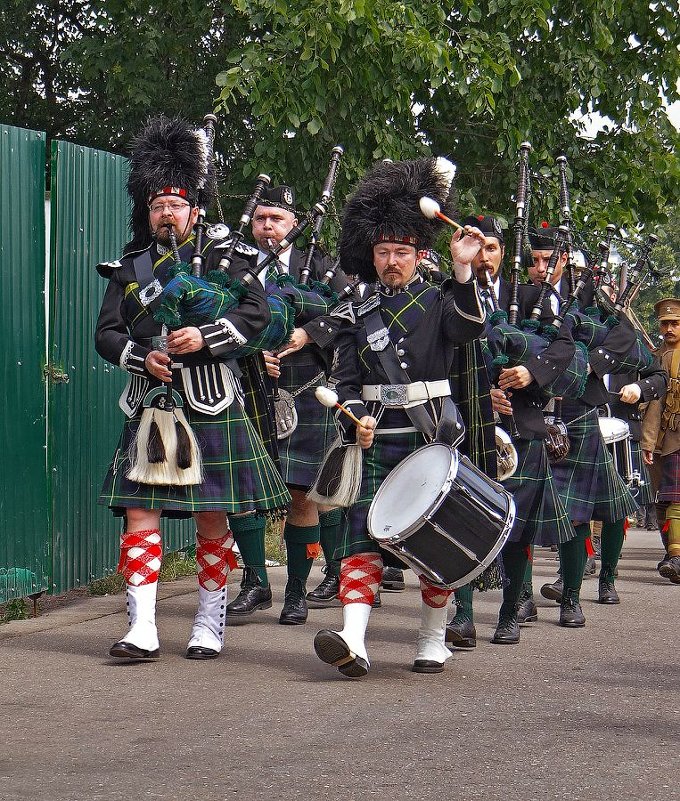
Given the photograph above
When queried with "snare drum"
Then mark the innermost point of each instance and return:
(616, 435)
(441, 515)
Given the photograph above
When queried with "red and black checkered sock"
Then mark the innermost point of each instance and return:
(435, 597)
(140, 556)
(215, 559)
(360, 577)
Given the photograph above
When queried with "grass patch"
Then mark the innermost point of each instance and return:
(108, 585)
(16, 609)
(274, 547)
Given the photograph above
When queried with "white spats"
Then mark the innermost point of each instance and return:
(141, 608)
(207, 634)
(345, 649)
(429, 207)
(431, 646)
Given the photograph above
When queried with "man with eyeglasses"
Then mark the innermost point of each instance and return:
(196, 366)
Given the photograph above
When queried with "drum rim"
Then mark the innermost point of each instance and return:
(439, 500)
(608, 437)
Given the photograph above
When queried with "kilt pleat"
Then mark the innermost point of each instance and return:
(586, 480)
(386, 453)
(669, 490)
(239, 474)
(540, 516)
(302, 453)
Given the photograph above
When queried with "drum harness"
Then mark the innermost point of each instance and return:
(450, 429)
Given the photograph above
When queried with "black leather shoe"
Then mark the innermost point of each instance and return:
(326, 594)
(126, 650)
(377, 602)
(294, 612)
(427, 666)
(591, 568)
(461, 634)
(571, 614)
(670, 569)
(199, 652)
(333, 650)
(393, 580)
(553, 592)
(606, 593)
(507, 630)
(253, 595)
(527, 612)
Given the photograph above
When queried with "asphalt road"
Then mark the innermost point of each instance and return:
(572, 714)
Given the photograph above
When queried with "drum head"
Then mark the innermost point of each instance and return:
(612, 429)
(411, 490)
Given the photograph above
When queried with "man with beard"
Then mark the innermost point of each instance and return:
(236, 474)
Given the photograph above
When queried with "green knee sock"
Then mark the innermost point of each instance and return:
(463, 597)
(248, 531)
(330, 524)
(297, 538)
(573, 559)
(610, 544)
(515, 559)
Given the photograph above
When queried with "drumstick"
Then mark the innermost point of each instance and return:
(431, 209)
(330, 399)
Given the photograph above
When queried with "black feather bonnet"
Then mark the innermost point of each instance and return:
(385, 207)
(168, 157)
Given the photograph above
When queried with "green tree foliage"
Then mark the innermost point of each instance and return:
(92, 72)
(394, 79)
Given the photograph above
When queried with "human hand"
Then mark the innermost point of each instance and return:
(158, 364)
(298, 339)
(185, 340)
(365, 432)
(272, 363)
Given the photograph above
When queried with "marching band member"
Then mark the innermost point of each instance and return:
(409, 325)
(661, 433)
(304, 360)
(238, 476)
(588, 485)
(540, 517)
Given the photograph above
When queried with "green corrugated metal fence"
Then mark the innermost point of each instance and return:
(58, 434)
(24, 541)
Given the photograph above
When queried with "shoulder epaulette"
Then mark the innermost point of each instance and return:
(106, 268)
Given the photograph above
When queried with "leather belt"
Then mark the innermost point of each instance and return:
(404, 396)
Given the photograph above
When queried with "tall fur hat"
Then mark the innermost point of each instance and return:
(385, 208)
(169, 157)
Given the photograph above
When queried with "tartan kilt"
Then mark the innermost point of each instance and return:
(540, 516)
(645, 494)
(669, 490)
(239, 474)
(586, 480)
(302, 453)
(387, 451)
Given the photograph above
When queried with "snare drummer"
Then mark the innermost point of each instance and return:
(417, 324)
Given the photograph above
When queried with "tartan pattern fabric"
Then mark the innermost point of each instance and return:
(307, 303)
(540, 516)
(669, 491)
(586, 481)
(645, 494)
(434, 597)
(303, 451)
(239, 475)
(215, 559)
(378, 460)
(140, 557)
(258, 402)
(471, 392)
(401, 313)
(360, 577)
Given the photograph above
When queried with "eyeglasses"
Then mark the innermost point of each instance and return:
(174, 208)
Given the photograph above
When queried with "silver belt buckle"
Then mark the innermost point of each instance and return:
(393, 394)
